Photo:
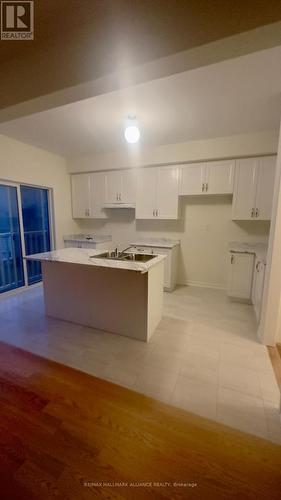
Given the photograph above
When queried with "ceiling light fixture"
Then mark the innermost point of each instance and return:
(132, 131)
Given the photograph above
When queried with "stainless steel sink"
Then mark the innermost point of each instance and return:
(133, 257)
(139, 257)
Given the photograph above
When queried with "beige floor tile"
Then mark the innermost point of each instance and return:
(242, 411)
(200, 367)
(238, 378)
(269, 387)
(195, 396)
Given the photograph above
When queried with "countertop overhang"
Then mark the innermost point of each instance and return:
(258, 249)
(86, 256)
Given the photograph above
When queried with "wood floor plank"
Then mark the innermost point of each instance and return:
(64, 432)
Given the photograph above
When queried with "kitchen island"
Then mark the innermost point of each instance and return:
(119, 296)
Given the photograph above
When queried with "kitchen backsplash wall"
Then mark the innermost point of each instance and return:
(205, 228)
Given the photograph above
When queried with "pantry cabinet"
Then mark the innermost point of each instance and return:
(157, 193)
(240, 275)
(120, 188)
(253, 188)
(214, 177)
(88, 191)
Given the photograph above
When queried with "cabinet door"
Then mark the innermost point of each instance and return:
(265, 188)
(128, 186)
(113, 187)
(167, 264)
(245, 184)
(167, 193)
(80, 187)
(98, 196)
(146, 193)
(258, 284)
(240, 275)
(219, 177)
(192, 178)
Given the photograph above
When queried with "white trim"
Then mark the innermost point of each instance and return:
(203, 284)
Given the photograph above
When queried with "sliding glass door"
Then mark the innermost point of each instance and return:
(36, 227)
(24, 230)
(11, 264)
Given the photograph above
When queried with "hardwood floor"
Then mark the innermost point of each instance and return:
(63, 433)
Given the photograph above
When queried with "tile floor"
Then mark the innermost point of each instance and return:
(204, 356)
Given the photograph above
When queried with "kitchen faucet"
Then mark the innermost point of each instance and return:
(116, 253)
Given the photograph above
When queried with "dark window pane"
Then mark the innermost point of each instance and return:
(11, 268)
(35, 212)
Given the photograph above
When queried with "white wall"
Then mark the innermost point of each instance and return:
(20, 162)
(270, 325)
(208, 149)
(204, 229)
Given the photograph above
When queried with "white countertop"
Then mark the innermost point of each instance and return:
(81, 238)
(83, 256)
(258, 249)
(156, 242)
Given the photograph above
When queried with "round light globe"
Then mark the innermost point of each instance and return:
(132, 134)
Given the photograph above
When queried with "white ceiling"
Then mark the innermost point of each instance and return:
(237, 96)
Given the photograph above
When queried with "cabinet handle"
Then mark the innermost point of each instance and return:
(157, 212)
(206, 186)
(232, 259)
(253, 212)
(257, 212)
(203, 187)
(153, 213)
(258, 266)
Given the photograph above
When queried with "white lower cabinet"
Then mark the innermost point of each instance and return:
(170, 263)
(258, 284)
(240, 275)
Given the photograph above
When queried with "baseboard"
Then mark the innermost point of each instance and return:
(203, 284)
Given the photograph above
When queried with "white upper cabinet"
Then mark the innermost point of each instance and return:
(157, 193)
(88, 195)
(265, 188)
(253, 189)
(80, 187)
(192, 178)
(120, 187)
(207, 178)
(112, 187)
(146, 193)
(129, 186)
(245, 187)
(167, 193)
(97, 196)
(219, 177)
